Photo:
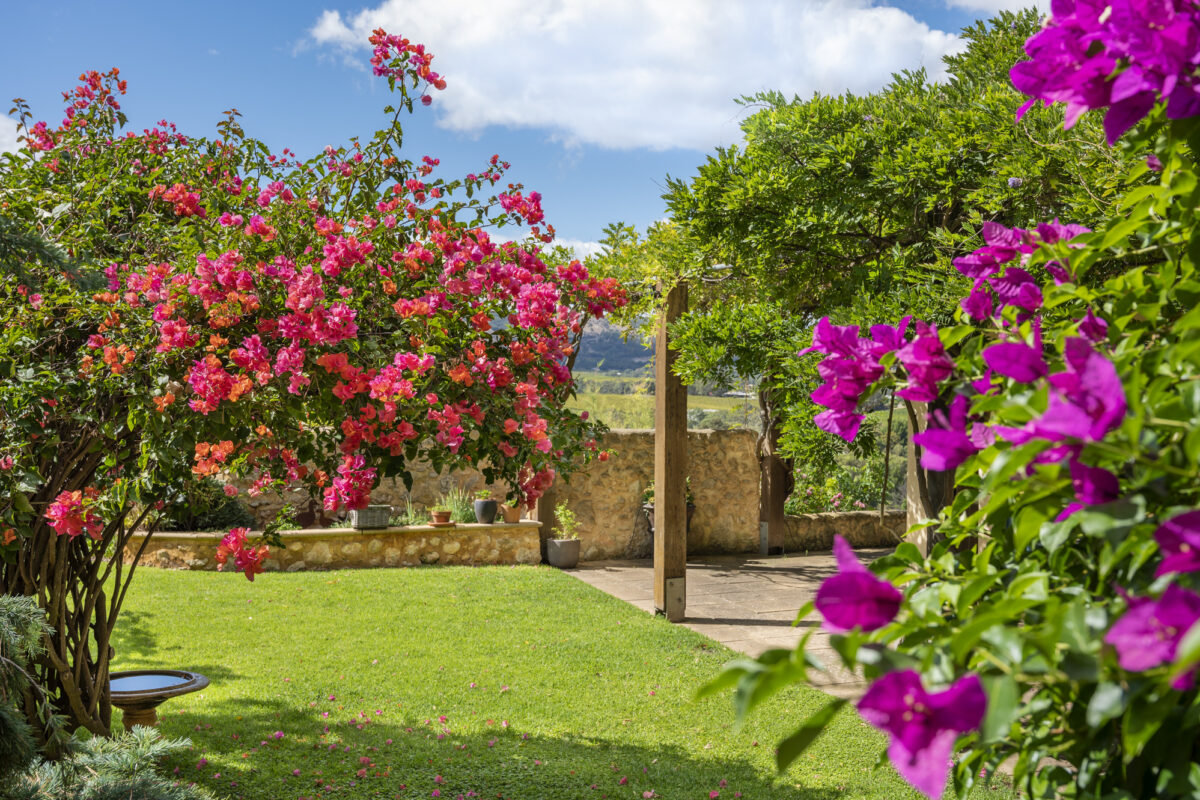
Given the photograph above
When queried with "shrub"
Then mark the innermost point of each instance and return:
(567, 526)
(205, 306)
(205, 506)
(1054, 619)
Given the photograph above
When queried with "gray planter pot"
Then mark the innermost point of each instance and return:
(370, 517)
(485, 511)
(562, 553)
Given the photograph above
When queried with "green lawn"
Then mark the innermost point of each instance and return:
(513, 682)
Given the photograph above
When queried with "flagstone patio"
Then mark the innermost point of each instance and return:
(746, 602)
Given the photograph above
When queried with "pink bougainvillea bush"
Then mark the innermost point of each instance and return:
(176, 308)
(1055, 618)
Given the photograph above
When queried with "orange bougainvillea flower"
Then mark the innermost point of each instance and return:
(9, 536)
(163, 401)
(460, 373)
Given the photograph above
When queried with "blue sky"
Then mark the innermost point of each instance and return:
(592, 101)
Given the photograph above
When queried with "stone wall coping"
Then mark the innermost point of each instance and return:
(864, 513)
(313, 533)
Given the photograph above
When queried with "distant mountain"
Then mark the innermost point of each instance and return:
(602, 348)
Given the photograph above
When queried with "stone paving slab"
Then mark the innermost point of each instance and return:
(747, 603)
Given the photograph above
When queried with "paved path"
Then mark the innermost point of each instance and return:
(747, 603)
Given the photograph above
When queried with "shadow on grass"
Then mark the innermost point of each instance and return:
(133, 633)
(364, 754)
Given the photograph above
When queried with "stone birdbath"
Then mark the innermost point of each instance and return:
(139, 692)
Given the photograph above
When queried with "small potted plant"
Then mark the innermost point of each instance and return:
(648, 504)
(511, 513)
(485, 508)
(441, 516)
(563, 550)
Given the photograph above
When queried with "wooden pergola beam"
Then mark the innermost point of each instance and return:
(670, 469)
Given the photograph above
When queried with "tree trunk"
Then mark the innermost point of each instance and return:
(929, 491)
(80, 583)
(776, 477)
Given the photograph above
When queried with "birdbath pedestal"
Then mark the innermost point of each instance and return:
(139, 692)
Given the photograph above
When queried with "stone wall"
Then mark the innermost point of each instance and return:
(859, 528)
(341, 548)
(428, 486)
(607, 501)
(607, 497)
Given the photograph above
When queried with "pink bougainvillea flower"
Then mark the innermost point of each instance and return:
(1017, 360)
(1148, 634)
(71, 513)
(1179, 540)
(855, 598)
(947, 446)
(923, 725)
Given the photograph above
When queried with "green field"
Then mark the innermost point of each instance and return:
(637, 410)
(627, 401)
(490, 682)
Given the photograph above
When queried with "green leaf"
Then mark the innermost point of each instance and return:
(1142, 721)
(793, 746)
(1108, 702)
(1003, 698)
(726, 679)
(21, 503)
(1187, 655)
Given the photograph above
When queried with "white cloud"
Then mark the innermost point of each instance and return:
(627, 73)
(992, 6)
(8, 135)
(581, 248)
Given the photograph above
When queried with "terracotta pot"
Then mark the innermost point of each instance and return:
(440, 515)
(511, 513)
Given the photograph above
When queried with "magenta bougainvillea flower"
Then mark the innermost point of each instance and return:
(850, 366)
(927, 365)
(1017, 360)
(855, 598)
(978, 305)
(1179, 540)
(1087, 400)
(1121, 55)
(1094, 329)
(947, 446)
(923, 725)
(1001, 245)
(1148, 634)
(1016, 287)
(1093, 486)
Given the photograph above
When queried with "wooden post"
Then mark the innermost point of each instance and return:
(670, 469)
(774, 481)
(544, 513)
